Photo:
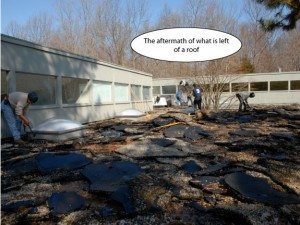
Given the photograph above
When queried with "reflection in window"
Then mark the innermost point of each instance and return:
(278, 85)
(156, 90)
(146, 93)
(43, 85)
(101, 92)
(75, 90)
(259, 86)
(236, 87)
(4, 84)
(205, 87)
(295, 84)
(121, 92)
(135, 93)
(221, 87)
(225, 87)
(169, 89)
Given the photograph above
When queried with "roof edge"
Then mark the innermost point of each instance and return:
(22, 42)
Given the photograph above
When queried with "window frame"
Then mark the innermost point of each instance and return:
(140, 94)
(159, 88)
(149, 93)
(162, 89)
(88, 85)
(255, 82)
(242, 90)
(111, 92)
(285, 81)
(291, 85)
(128, 92)
(56, 89)
(6, 81)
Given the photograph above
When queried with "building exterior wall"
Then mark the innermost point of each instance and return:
(268, 96)
(24, 59)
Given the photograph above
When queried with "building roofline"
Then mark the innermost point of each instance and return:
(242, 75)
(28, 44)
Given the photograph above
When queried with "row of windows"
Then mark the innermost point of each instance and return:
(235, 87)
(76, 90)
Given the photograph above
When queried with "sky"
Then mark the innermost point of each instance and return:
(21, 10)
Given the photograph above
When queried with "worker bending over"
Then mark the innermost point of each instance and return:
(243, 98)
(13, 107)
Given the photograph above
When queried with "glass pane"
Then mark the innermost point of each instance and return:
(239, 87)
(278, 85)
(146, 93)
(259, 86)
(295, 84)
(121, 93)
(44, 86)
(101, 92)
(205, 87)
(169, 89)
(4, 87)
(156, 90)
(221, 87)
(135, 93)
(75, 90)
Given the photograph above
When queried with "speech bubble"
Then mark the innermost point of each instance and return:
(186, 44)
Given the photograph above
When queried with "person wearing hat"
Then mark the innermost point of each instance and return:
(13, 108)
(243, 98)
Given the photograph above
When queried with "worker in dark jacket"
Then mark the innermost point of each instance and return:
(197, 93)
(243, 98)
(13, 107)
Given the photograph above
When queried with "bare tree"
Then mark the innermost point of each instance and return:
(38, 29)
(287, 51)
(104, 29)
(215, 79)
(16, 30)
(121, 26)
(257, 43)
(67, 35)
(193, 12)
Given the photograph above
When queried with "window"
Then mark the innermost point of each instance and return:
(156, 90)
(221, 87)
(4, 84)
(259, 86)
(121, 93)
(146, 93)
(235, 87)
(169, 89)
(295, 84)
(278, 85)
(43, 85)
(101, 92)
(225, 87)
(205, 87)
(135, 93)
(75, 90)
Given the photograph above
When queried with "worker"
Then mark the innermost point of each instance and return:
(243, 98)
(197, 93)
(14, 106)
(183, 83)
(179, 97)
(157, 99)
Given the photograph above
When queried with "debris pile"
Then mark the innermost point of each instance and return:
(169, 167)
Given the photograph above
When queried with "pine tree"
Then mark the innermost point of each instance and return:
(246, 66)
(287, 12)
